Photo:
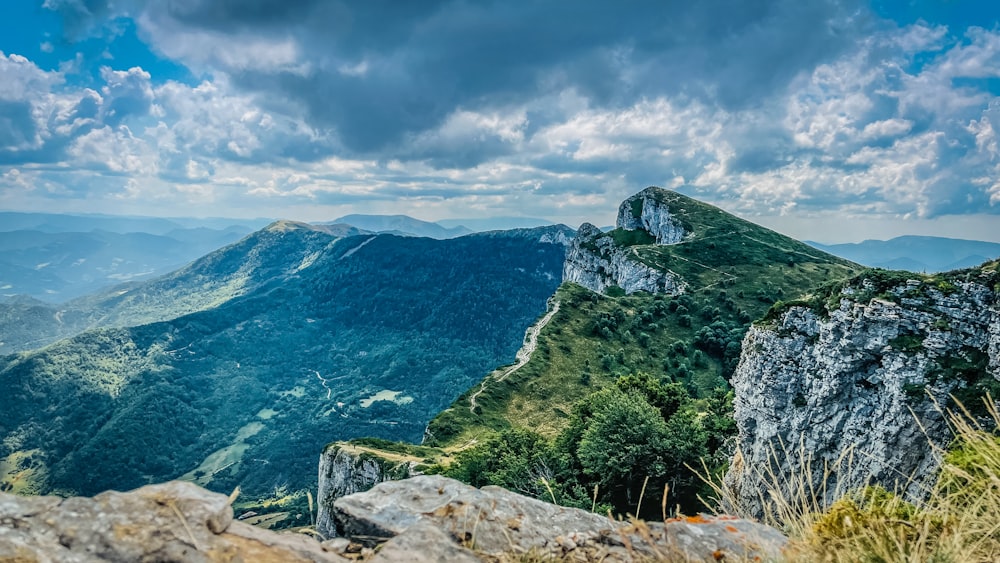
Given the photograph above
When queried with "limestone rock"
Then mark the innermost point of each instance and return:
(810, 387)
(423, 543)
(594, 261)
(175, 521)
(648, 212)
(494, 521)
(342, 472)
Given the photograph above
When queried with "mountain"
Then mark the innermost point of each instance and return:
(57, 267)
(494, 223)
(266, 256)
(255, 356)
(916, 253)
(76, 223)
(855, 376)
(403, 225)
(675, 309)
(646, 330)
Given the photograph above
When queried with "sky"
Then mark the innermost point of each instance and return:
(831, 121)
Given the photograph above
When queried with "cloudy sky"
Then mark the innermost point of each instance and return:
(833, 121)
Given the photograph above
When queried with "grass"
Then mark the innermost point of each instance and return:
(957, 521)
(731, 265)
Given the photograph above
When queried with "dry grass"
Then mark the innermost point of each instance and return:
(959, 521)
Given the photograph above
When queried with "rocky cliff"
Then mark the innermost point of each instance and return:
(599, 261)
(344, 470)
(649, 211)
(843, 388)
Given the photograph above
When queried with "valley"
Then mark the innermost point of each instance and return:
(229, 389)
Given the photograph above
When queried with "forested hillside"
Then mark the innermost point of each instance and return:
(366, 336)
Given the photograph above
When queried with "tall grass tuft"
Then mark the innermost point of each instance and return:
(958, 521)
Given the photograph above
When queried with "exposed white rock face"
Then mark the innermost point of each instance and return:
(810, 389)
(597, 263)
(171, 522)
(654, 217)
(344, 472)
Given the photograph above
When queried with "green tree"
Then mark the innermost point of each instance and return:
(624, 442)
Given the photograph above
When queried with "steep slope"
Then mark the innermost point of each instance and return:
(723, 273)
(844, 388)
(266, 256)
(364, 335)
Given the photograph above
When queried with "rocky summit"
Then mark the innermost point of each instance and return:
(599, 262)
(846, 387)
(422, 519)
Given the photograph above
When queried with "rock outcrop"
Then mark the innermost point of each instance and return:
(493, 521)
(648, 211)
(841, 391)
(173, 522)
(345, 470)
(422, 519)
(596, 261)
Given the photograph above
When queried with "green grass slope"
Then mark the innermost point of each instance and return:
(735, 271)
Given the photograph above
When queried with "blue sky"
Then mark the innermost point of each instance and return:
(832, 121)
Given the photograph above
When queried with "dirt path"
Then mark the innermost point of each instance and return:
(523, 355)
(323, 381)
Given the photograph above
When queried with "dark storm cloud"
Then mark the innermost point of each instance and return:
(414, 63)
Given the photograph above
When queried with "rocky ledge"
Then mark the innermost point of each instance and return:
(848, 392)
(422, 519)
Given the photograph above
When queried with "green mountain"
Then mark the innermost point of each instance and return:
(622, 385)
(265, 351)
(724, 272)
(267, 256)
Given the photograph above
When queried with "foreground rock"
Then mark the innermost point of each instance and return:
(343, 471)
(172, 522)
(495, 522)
(861, 374)
(417, 520)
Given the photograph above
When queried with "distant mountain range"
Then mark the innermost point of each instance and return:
(402, 225)
(916, 253)
(56, 258)
(73, 223)
(495, 223)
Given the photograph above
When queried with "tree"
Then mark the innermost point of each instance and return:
(667, 398)
(624, 443)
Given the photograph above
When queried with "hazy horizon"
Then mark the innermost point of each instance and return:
(833, 121)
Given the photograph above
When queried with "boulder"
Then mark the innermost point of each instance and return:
(493, 521)
(174, 521)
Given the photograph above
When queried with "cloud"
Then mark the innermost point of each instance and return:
(378, 75)
(557, 108)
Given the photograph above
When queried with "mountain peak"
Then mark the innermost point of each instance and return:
(287, 225)
(666, 242)
(649, 210)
